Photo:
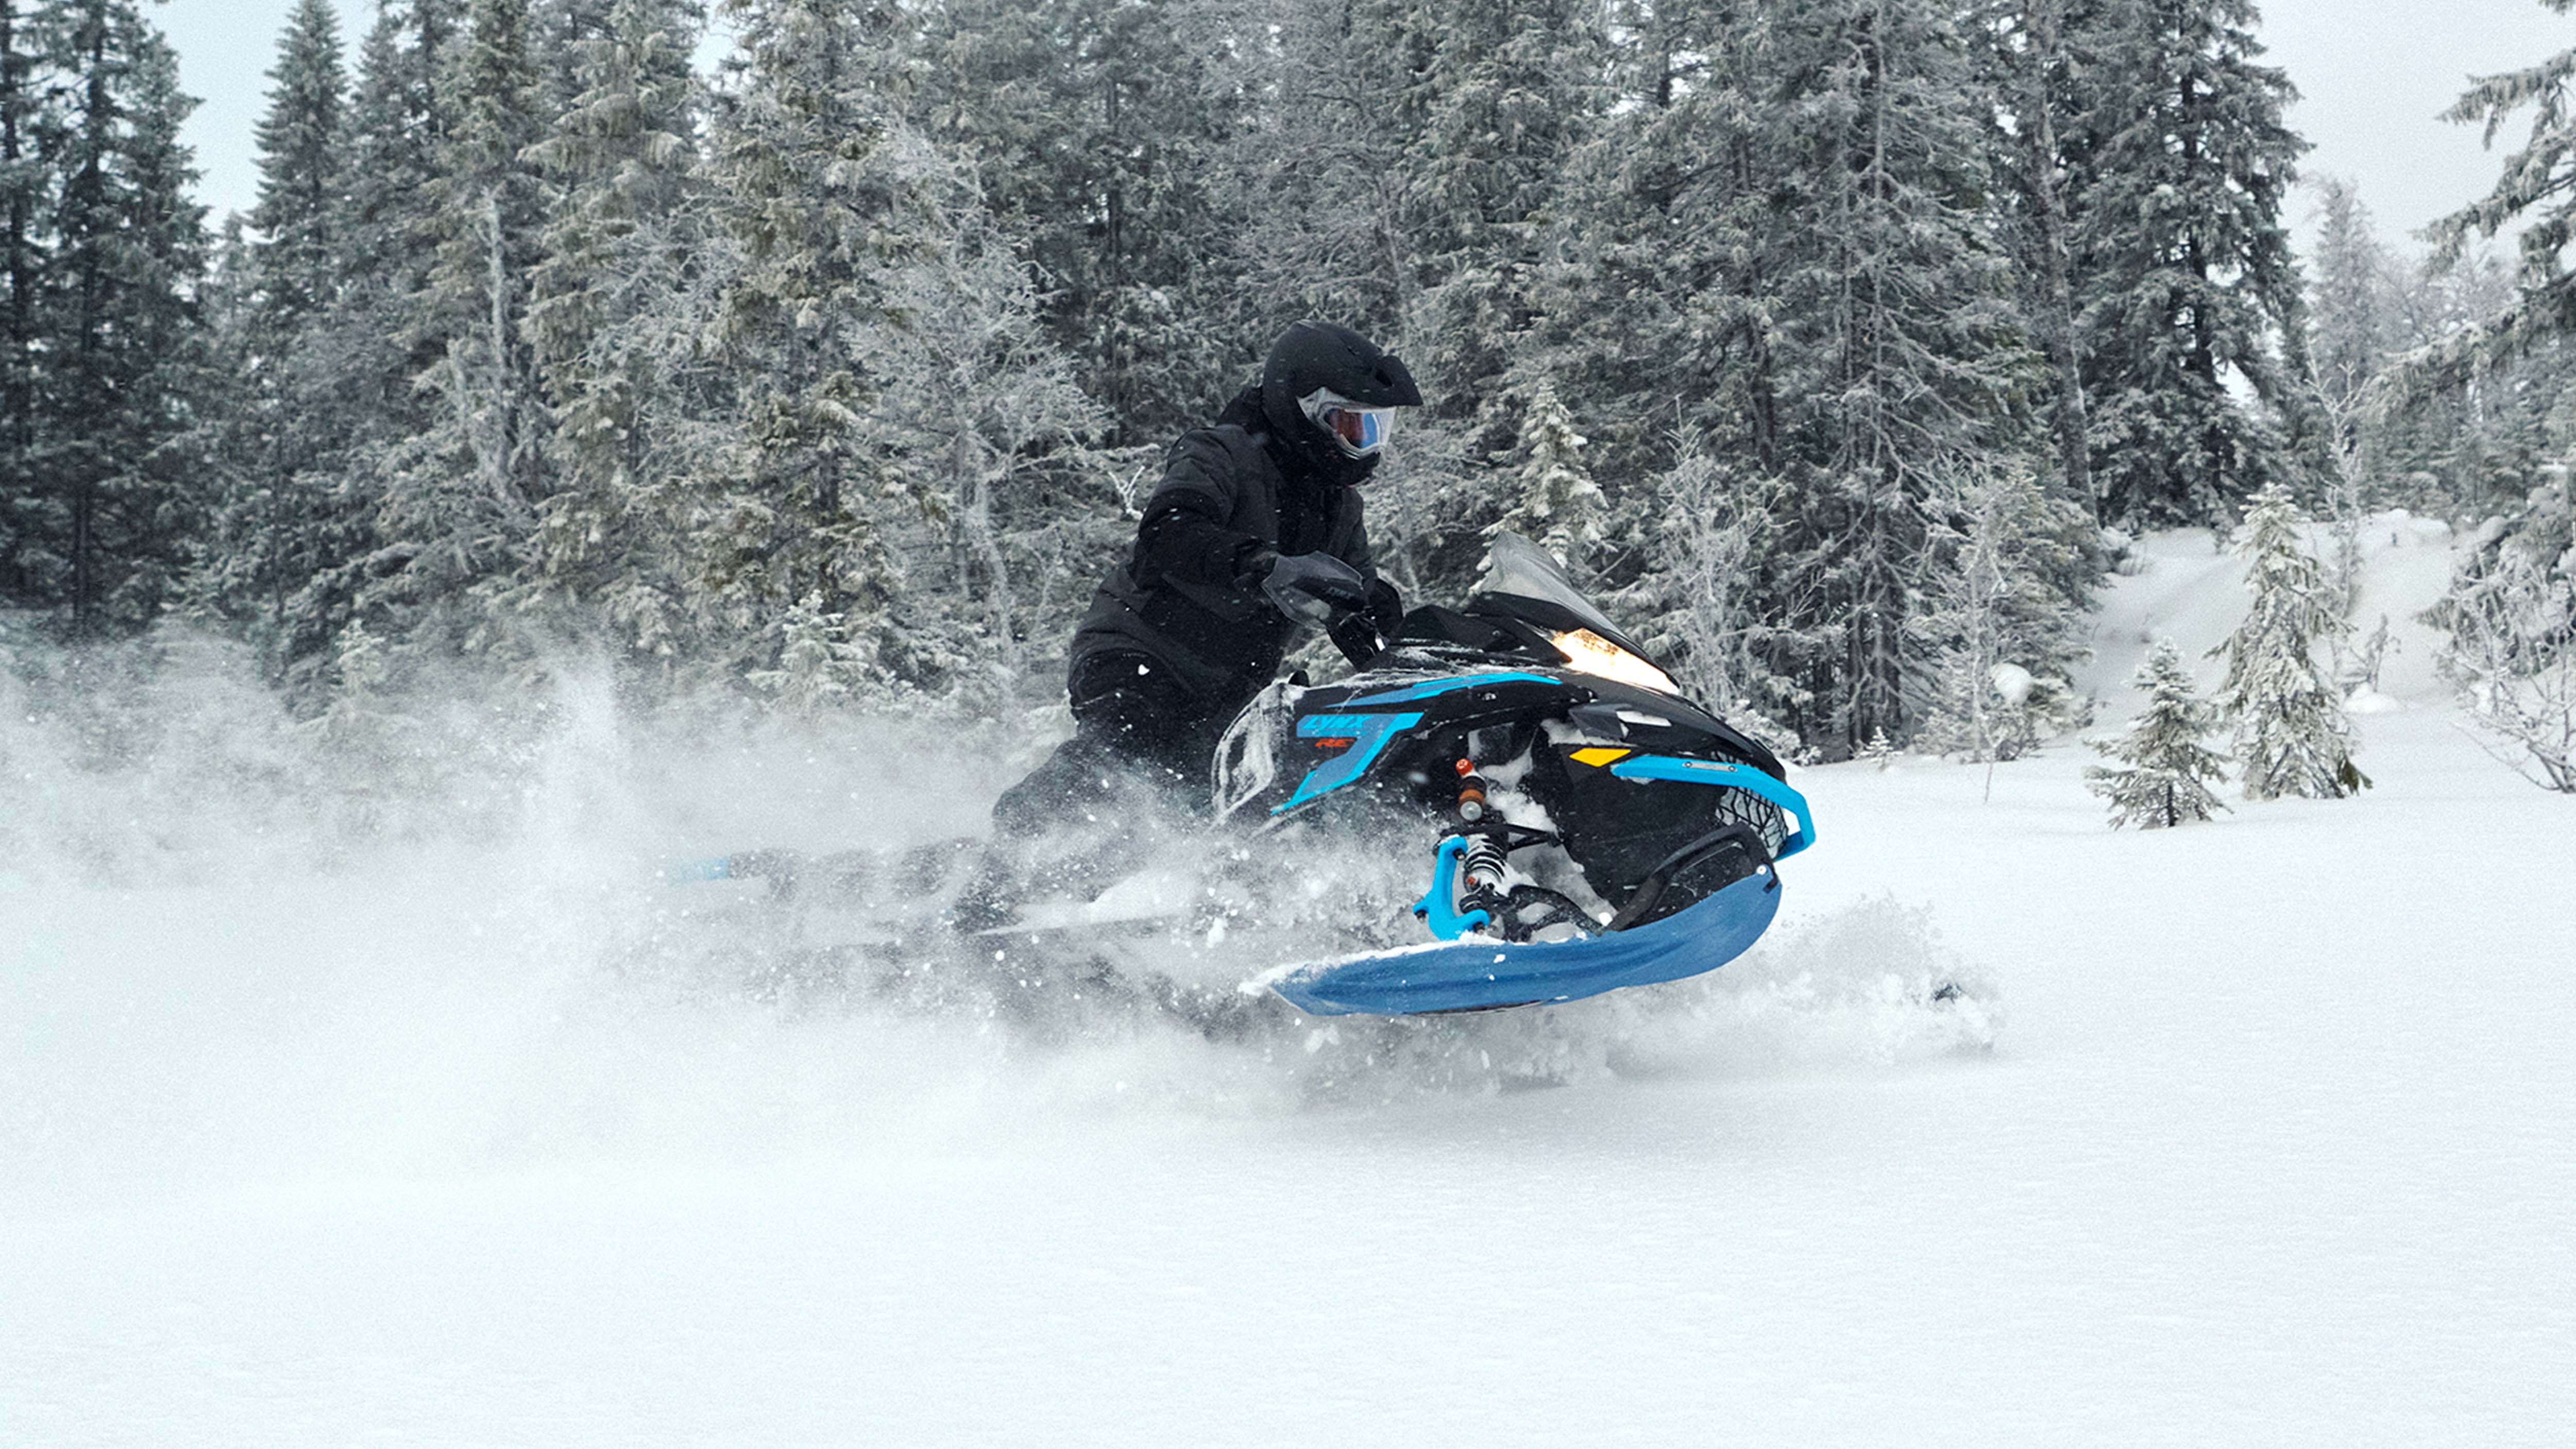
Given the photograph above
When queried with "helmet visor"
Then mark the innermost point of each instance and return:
(1359, 431)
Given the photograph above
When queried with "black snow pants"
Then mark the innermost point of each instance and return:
(1132, 717)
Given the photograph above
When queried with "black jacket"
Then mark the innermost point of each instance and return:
(1227, 492)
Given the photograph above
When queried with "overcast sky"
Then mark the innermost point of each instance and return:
(2373, 74)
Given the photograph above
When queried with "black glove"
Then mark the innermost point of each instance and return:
(1362, 635)
(1385, 608)
(1314, 587)
(1356, 637)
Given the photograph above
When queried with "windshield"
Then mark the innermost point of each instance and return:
(1517, 568)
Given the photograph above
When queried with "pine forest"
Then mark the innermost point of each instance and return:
(823, 350)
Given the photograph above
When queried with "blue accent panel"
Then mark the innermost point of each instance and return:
(1466, 975)
(1438, 907)
(1413, 693)
(1368, 734)
(1742, 777)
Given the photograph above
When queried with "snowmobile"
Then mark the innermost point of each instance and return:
(1595, 829)
(1587, 827)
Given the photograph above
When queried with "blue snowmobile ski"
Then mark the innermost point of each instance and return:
(1480, 973)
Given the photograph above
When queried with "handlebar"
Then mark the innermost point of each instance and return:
(1325, 591)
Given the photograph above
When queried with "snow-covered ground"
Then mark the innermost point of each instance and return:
(2275, 1141)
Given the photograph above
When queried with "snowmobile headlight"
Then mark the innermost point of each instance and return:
(1591, 654)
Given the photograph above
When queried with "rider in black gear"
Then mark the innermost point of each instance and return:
(1255, 518)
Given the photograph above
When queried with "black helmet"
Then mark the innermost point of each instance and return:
(1325, 391)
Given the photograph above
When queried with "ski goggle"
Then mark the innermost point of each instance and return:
(1359, 430)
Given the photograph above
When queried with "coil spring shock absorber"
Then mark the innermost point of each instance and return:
(1481, 876)
(1480, 869)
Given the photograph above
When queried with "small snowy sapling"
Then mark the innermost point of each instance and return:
(2291, 731)
(2165, 772)
(1878, 751)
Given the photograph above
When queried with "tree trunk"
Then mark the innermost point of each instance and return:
(1762, 403)
(98, 121)
(2039, 126)
(17, 261)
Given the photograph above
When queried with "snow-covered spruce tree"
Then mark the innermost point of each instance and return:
(2475, 433)
(2350, 325)
(817, 659)
(1101, 133)
(24, 202)
(1899, 351)
(1319, 177)
(2164, 773)
(352, 364)
(1505, 94)
(2534, 189)
(1557, 505)
(276, 524)
(2511, 613)
(1653, 288)
(794, 517)
(615, 309)
(2026, 62)
(1998, 627)
(399, 118)
(399, 122)
(303, 139)
(2468, 432)
(2177, 163)
(2291, 732)
(464, 493)
(983, 428)
(621, 155)
(458, 516)
(1965, 712)
(2351, 321)
(366, 359)
(113, 473)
